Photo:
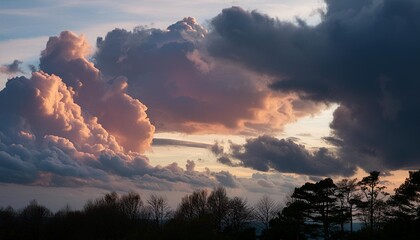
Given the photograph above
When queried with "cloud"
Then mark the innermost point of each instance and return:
(273, 183)
(225, 178)
(188, 91)
(177, 142)
(47, 139)
(70, 128)
(363, 55)
(121, 115)
(12, 68)
(44, 130)
(266, 153)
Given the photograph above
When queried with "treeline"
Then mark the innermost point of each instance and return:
(202, 214)
(321, 210)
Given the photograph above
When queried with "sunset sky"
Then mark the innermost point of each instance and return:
(172, 96)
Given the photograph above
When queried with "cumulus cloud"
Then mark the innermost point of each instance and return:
(121, 115)
(268, 153)
(12, 68)
(46, 139)
(363, 55)
(42, 129)
(225, 178)
(66, 126)
(186, 90)
(273, 183)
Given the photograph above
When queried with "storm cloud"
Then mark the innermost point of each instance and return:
(267, 153)
(188, 91)
(363, 55)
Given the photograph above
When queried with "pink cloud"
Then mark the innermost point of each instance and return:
(189, 91)
(122, 116)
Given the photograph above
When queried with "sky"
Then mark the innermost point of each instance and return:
(171, 96)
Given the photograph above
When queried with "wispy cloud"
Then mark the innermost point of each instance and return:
(177, 142)
(12, 68)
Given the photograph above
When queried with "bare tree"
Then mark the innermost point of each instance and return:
(218, 205)
(131, 205)
(159, 208)
(239, 214)
(35, 212)
(34, 217)
(265, 210)
(110, 199)
(192, 206)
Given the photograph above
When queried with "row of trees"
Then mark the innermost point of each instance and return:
(202, 214)
(321, 210)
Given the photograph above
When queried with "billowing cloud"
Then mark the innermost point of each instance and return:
(69, 127)
(283, 155)
(13, 68)
(121, 115)
(47, 139)
(186, 90)
(363, 55)
(273, 183)
(42, 129)
(226, 179)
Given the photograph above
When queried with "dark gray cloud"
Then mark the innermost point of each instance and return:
(268, 153)
(225, 178)
(177, 142)
(12, 68)
(363, 55)
(226, 160)
(217, 148)
(186, 90)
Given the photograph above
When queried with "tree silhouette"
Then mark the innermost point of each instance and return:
(348, 196)
(131, 205)
(407, 197)
(290, 222)
(404, 214)
(68, 224)
(373, 204)
(218, 205)
(192, 206)
(159, 209)
(314, 211)
(103, 217)
(238, 215)
(265, 210)
(320, 200)
(34, 217)
(8, 223)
